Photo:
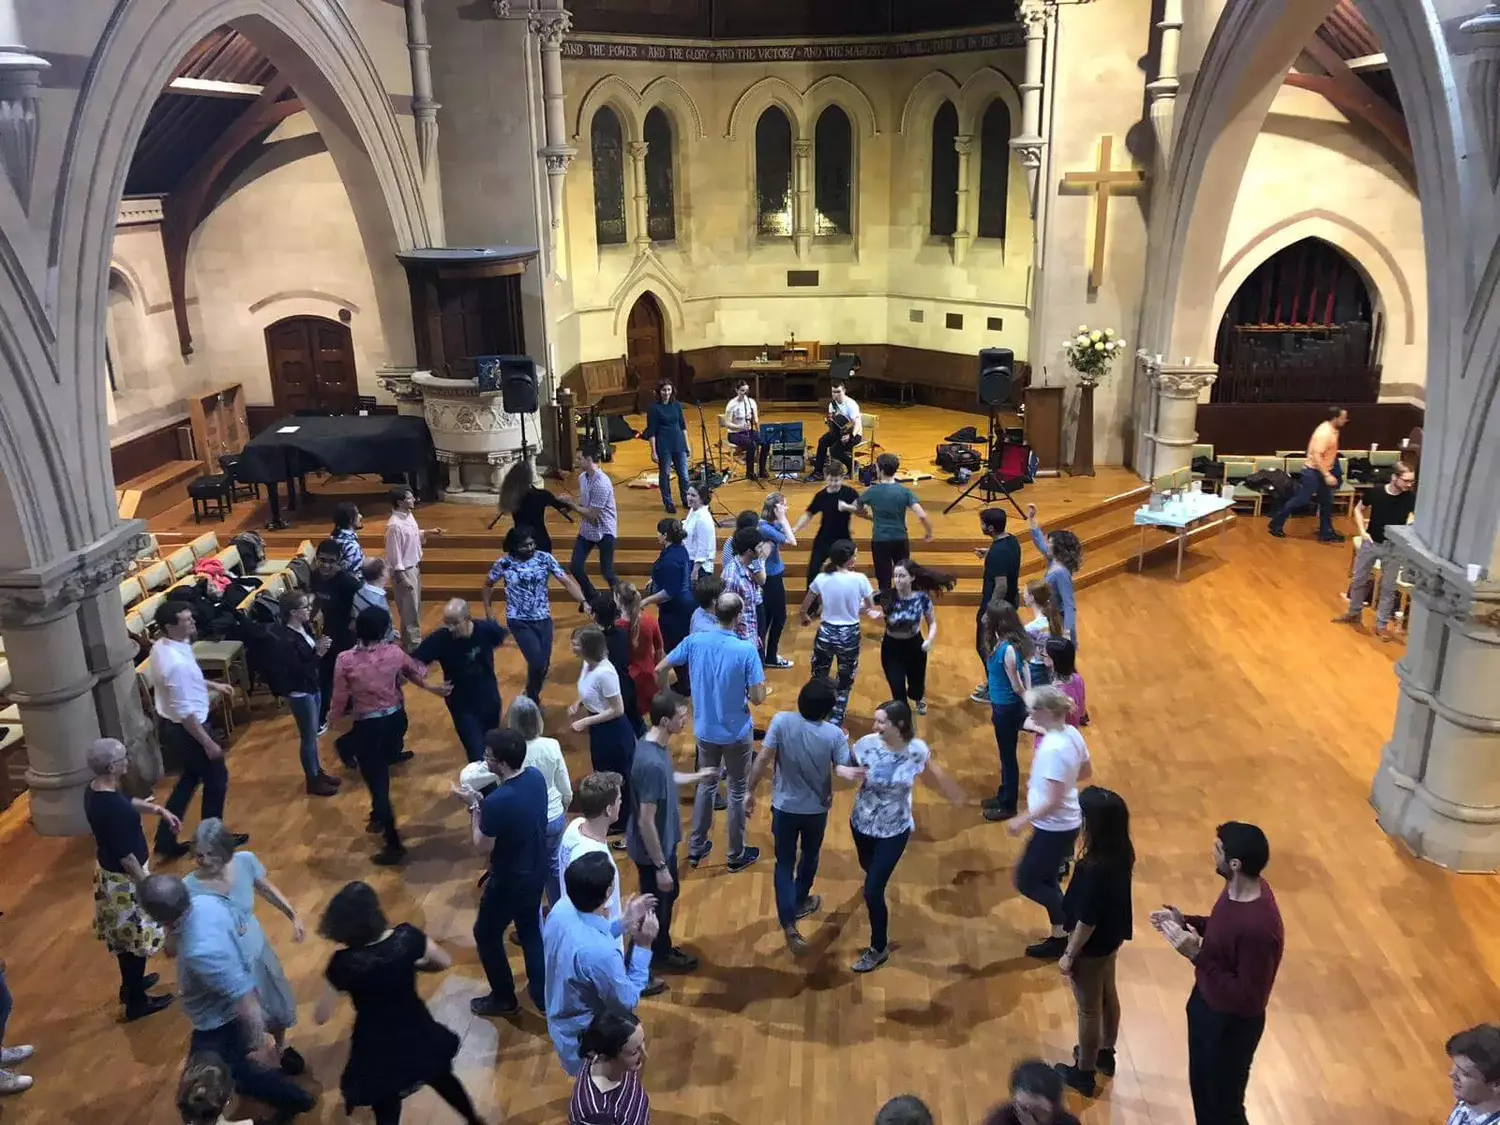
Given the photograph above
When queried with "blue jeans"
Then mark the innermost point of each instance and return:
(507, 900)
(250, 1078)
(5, 1006)
(789, 830)
(555, 829)
(473, 719)
(1007, 719)
(878, 856)
(534, 639)
(1310, 484)
(1037, 873)
(582, 548)
(676, 459)
(306, 709)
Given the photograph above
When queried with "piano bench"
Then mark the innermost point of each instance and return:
(216, 488)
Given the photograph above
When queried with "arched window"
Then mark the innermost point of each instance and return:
(943, 220)
(661, 216)
(607, 146)
(124, 346)
(773, 173)
(833, 173)
(994, 169)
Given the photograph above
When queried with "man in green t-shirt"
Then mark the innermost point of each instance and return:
(885, 504)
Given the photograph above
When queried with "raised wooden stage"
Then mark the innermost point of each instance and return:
(1206, 707)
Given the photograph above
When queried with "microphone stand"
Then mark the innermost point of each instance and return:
(706, 469)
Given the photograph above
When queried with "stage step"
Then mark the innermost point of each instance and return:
(151, 493)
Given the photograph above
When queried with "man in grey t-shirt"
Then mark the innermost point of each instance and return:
(803, 748)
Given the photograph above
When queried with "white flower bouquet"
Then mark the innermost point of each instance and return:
(1092, 352)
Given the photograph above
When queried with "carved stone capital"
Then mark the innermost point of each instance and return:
(1034, 14)
(559, 158)
(1028, 150)
(802, 148)
(550, 27)
(398, 381)
(1181, 382)
(1443, 586)
(1484, 84)
(963, 144)
(424, 116)
(637, 150)
(34, 597)
(20, 80)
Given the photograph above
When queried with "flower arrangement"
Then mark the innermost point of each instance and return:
(1092, 352)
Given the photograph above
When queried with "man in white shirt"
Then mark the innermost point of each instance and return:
(842, 437)
(181, 697)
(743, 416)
(403, 555)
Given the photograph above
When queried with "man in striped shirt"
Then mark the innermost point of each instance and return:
(596, 504)
(346, 524)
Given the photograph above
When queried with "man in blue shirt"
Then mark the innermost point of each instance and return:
(465, 649)
(513, 820)
(587, 971)
(215, 976)
(731, 680)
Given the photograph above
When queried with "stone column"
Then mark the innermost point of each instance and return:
(964, 145)
(637, 152)
(1174, 417)
(802, 196)
(1437, 788)
(550, 28)
(20, 83)
(1162, 90)
(423, 106)
(1029, 144)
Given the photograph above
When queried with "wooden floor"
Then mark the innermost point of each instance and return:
(1228, 695)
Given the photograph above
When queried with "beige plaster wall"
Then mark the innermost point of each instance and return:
(151, 375)
(720, 283)
(1313, 174)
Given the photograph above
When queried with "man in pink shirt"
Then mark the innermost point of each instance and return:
(403, 555)
(367, 683)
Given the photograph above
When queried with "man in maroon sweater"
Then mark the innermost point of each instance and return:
(1236, 951)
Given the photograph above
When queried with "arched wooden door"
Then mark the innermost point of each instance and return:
(645, 348)
(312, 365)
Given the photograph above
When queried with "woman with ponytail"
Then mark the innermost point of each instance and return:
(1007, 650)
(646, 645)
(1046, 622)
(845, 594)
(609, 1090)
(205, 1091)
(903, 650)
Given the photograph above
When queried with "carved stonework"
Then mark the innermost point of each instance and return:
(1442, 585)
(20, 80)
(56, 595)
(1179, 382)
(1484, 84)
(1033, 14)
(398, 382)
(550, 27)
(559, 160)
(470, 418)
(501, 8)
(424, 115)
(1028, 151)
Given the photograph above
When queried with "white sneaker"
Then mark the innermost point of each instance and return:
(9, 1056)
(14, 1083)
(981, 694)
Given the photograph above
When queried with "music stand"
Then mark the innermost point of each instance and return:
(783, 437)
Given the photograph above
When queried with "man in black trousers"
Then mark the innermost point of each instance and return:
(1002, 563)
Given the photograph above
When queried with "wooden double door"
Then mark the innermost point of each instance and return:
(312, 365)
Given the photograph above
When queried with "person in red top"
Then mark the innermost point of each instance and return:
(367, 683)
(1236, 951)
(646, 645)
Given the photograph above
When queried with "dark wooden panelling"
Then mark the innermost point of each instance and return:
(1257, 428)
(147, 453)
(259, 418)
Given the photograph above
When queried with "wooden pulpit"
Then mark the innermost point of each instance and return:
(1044, 427)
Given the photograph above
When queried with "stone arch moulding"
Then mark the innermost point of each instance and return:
(1253, 46)
(1382, 272)
(620, 96)
(654, 280)
(304, 295)
(769, 91)
(133, 287)
(979, 89)
(678, 104)
(932, 90)
(834, 89)
(143, 41)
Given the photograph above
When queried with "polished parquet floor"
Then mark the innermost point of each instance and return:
(1227, 695)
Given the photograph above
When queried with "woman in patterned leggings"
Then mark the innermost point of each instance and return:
(845, 594)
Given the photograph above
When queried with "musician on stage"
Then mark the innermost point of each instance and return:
(843, 434)
(743, 416)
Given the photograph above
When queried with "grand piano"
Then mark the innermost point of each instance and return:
(292, 447)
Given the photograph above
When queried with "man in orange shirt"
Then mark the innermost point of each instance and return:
(1318, 478)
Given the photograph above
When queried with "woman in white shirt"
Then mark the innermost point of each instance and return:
(743, 417)
(1060, 763)
(546, 757)
(611, 739)
(702, 540)
(846, 594)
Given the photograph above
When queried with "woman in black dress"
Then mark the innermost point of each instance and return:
(523, 498)
(397, 1046)
(120, 850)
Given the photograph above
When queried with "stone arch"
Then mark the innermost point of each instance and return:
(767, 92)
(932, 90)
(979, 89)
(619, 95)
(649, 278)
(313, 43)
(1381, 271)
(676, 102)
(836, 90)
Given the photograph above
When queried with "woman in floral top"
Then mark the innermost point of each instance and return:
(525, 571)
(887, 765)
(903, 650)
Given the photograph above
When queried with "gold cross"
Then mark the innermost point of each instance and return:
(1102, 184)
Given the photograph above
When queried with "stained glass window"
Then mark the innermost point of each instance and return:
(607, 146)
(943, 220)
(773, 173)
(661, 219)
(994, 170)
(833, 173)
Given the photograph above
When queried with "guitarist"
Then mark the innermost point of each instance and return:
(843, 432)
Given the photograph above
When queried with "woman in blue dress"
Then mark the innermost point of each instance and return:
(237, 877)
(672, 591)
(666, 430)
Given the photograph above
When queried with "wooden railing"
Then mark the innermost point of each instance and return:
(1327, 384)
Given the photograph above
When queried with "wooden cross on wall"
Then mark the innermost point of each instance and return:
(1102, 183)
